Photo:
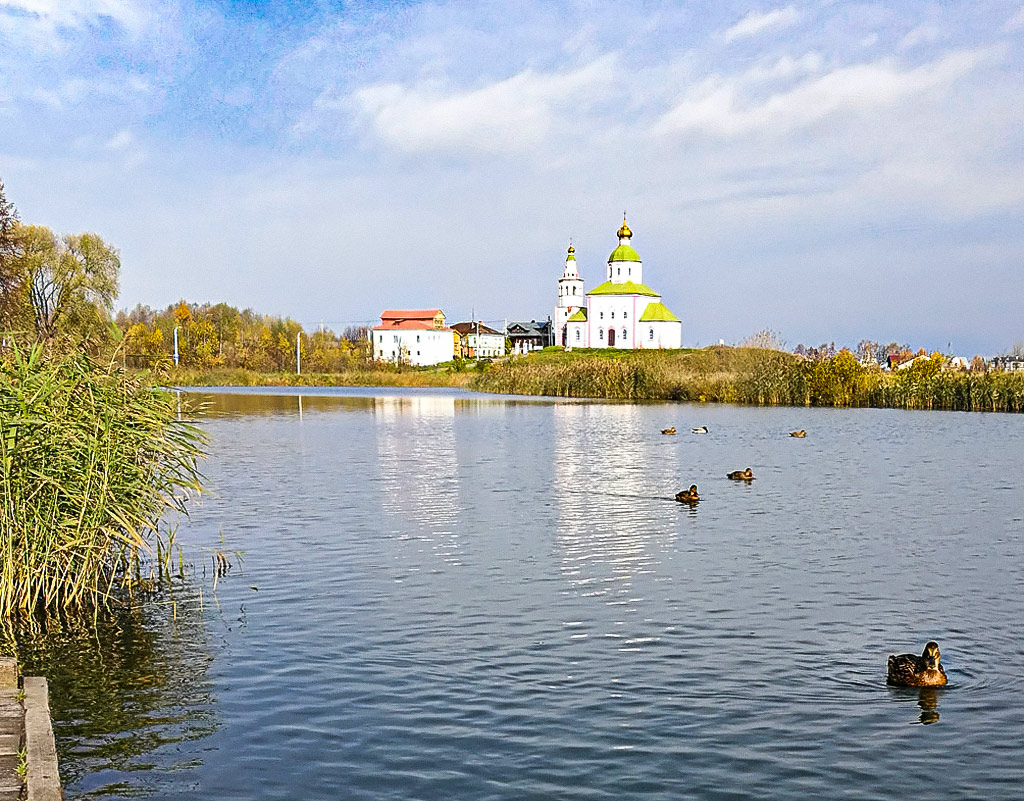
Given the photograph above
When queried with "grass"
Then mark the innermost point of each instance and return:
(749, 376)
(92, 459)
(441, 376)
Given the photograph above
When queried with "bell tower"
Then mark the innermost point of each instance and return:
(570, 296)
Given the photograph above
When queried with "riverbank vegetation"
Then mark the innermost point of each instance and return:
(92, 456)
(753, 376)
(92, 460)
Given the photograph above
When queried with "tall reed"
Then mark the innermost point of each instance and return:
(752, 376)
(91, 460)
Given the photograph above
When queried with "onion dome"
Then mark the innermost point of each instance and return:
(624, 232)
(572, 254)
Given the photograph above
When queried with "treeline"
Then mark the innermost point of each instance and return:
(219, 336)
(755, 376)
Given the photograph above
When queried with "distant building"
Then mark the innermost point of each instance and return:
(413, 336)
(478, 341)
(622, 312)
(894, 360)
(1010, 364)
(525, 337)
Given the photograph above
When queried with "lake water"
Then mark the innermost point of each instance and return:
(441, 595)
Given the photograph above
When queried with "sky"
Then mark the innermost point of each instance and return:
(832, 171)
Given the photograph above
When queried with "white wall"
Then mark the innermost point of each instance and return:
(414, 346)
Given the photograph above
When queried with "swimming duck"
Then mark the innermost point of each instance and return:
(907, 670)
(701, 430)
(800, 433)
(688, 496)
(671, 430)
(741, 475)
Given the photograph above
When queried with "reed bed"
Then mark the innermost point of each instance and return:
(240, 377)
(92, 460)
(750, 376)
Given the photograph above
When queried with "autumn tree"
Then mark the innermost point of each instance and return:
(9, 249)
(67, 284)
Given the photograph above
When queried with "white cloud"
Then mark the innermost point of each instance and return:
(128, 14)
(507, 116)
(122, 140)
(1016, 22)
(718, 106)
(922, 34)
(755, 23)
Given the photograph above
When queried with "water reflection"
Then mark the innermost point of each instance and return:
(927, 699)
(127, 690)
(614, 513)
(418, 466)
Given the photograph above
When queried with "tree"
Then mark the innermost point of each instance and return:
(868, 350)
(9, 250)
(71, 281)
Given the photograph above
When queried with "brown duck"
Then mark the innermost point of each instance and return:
(801, 433)
(671, 430)
(688, 496)
(908, 670)
(741, 475)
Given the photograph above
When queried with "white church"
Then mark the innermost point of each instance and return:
(620, 313)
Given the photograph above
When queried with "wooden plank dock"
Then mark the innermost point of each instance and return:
(28, 753)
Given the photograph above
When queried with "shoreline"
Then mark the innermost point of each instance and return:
(717, 374)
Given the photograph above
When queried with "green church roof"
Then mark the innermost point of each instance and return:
(625, 288)
(579, 316)
(623, 253)
(658, 313)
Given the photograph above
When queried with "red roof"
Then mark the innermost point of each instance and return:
(406, 319)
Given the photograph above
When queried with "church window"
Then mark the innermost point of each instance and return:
(623, 333)
(650, 333)
(417, 337)
(620, 271)
(613, 315)
(625, 315)
(574, 290)
(577, 335)
(600, 333)
(600, 315)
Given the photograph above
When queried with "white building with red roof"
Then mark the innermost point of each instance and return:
(413, 336)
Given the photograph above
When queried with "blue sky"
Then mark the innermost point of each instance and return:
(829, 170)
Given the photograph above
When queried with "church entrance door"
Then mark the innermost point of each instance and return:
(611, 337)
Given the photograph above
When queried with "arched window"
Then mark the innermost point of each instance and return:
(600, 333)
(623, 333)
(650, 334)
(600, 315)
(613, 315)
(574, 290)
(577, 335)
(625, 315)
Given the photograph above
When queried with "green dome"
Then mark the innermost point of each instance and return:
(623, 253)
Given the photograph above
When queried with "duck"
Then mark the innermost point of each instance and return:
(671, 430)
(741, 475)
(799, 434)
(700, 430)
(907, 670)
(688, 496)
